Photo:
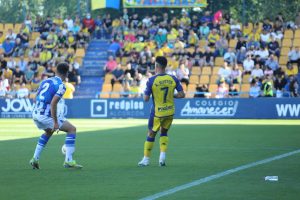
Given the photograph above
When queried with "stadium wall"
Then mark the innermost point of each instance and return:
(261, 108)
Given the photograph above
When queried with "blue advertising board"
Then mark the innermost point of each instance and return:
(261, 108)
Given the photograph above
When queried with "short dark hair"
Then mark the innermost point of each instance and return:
(63, 68)
(162, 61)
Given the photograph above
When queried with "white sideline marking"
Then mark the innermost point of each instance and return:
(218, 175)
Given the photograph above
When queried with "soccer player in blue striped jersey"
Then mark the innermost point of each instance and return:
(48, 115)
(161, 87)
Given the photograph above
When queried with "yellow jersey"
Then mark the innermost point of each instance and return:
(162, 88)
(69, 91)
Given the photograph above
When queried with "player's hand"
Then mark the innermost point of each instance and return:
(56, 127)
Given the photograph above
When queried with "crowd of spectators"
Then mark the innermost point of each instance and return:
(29, 54)
(194, 41)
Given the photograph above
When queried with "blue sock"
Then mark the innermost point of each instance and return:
(70, 146)
(43, 140)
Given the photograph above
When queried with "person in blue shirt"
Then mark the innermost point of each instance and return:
(48, 115)
(8, 47)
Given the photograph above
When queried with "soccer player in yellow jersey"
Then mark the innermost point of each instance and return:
(161, 87)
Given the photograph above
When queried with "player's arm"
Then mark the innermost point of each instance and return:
(180, 93)
(148, 91)
(54, 103)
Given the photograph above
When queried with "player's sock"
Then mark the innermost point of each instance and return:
(40, 146)
(148, 146)
(70, 146)
(163, 142)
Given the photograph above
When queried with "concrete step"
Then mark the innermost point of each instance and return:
(93, 72)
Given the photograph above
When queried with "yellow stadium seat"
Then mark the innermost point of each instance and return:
(184, 87)
(232, 43)
(204, 79)
(17, 27)
(219, 61)
(284, 51)
(283, 60)
(118, 88)
(196, 70)
(106, 88)
(1, 27)
(108, 78)
(246, 78)
(216, 70)
(296, 42)
(80, 53)
(35, 35)
(288, 34)
(32, 95)
(202, 43)
(8, 26)
(245, 88)
(206, 71)
(297, 34)
(214, 79)
(286, 43)
(194, 79)
(213, 89)
(191, 90)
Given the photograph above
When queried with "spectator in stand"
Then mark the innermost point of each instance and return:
(224, 74)
(213, 37)
(263, 54)
(233, 92)
(8, 47)
(267, 26)
(230, 57)
(221, 47)
(7, 73)
(70, 89)
(18, 76)
(268, 87)
(69, 22)
(209, 57)
(35, 82)
(118, 75)
(207, 18)
(11, 63)
(3, 62)
(269, 72)
(143, 65)
(23, 91)
(202, 91)
(273, 47)
(279, 85)
(28, 75)
(127, 81)
(236, 74)
(32, 63)
(160, 38)
(272, 63)
(198, 58)
(294, 56)
(278, 35)
(222, 91)
(265, 38)
(110, 65)
(114, 49)
(4, 86)
(204, 31)
(235, 29)
(22, 64)
(257, 72)
(254, 89)
(182, 74)
(241, 55)
(89, 23)
(2, 38)
(241, 43)
(107, 26)
(293, 86)
(193, 38)
(252, 43)
(134, 90)
(291, 70)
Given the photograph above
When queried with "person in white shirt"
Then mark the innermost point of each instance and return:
(277, 35)
(257, 72)
(70, 23)
(182, 74)
(22, 64)
(11, 63)
(225, 74)
(23, 92)
(265, 36)
(294, 55)
(248, 65)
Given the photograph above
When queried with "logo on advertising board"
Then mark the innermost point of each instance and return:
(210, 108)
(288, 110)
(99, 108)
(17, 108)
(117, 108)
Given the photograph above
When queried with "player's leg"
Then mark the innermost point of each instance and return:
(70, 129)
(164, 139)
(153, 127)
(46, 124)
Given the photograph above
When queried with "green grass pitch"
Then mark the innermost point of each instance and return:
(110, 150)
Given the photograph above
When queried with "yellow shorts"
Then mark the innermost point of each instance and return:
(155, 123)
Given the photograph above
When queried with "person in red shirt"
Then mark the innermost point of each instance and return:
(89, 22)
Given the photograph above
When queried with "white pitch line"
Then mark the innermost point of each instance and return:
(218, 175)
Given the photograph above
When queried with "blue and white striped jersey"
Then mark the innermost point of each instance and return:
(47, 90)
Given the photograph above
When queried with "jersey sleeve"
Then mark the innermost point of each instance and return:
(148, 90)
(61, 90)
(178, 84)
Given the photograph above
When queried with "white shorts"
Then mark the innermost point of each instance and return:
(44, 122)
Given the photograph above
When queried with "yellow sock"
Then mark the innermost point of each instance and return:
(163, 141)
(148, 147)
